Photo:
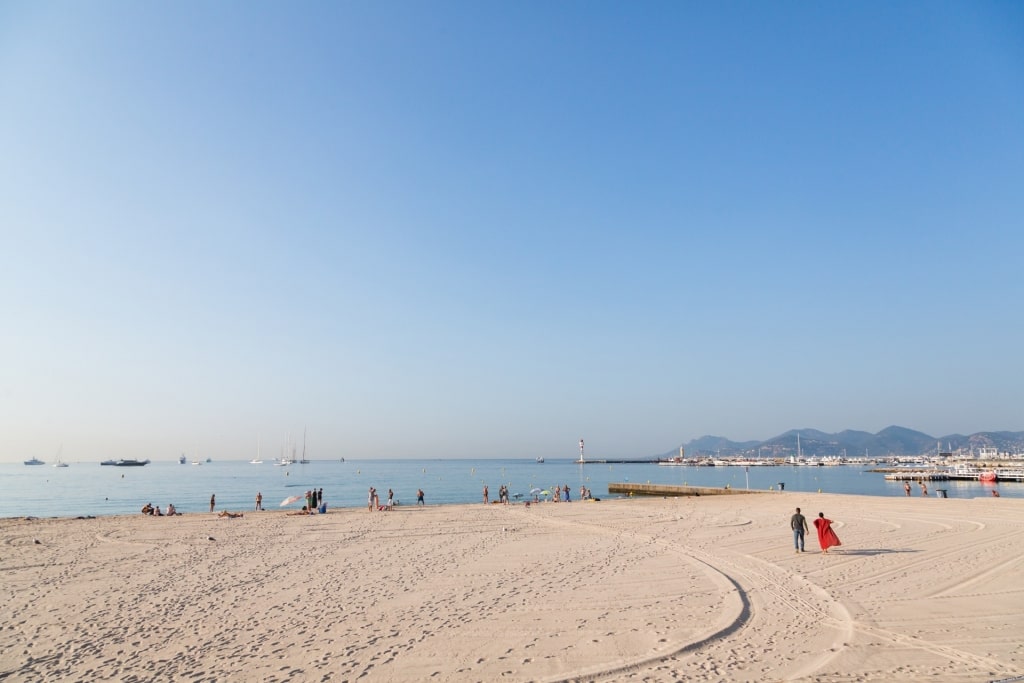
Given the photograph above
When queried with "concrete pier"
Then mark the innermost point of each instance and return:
(673, 490)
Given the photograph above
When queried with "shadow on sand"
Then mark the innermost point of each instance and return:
(868, 551)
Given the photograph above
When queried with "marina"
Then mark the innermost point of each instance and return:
(961, 473)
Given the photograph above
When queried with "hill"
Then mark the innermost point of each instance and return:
(890, 441)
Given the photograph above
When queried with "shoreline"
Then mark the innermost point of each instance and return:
(99, 491)
(607, 498)
(704, 588)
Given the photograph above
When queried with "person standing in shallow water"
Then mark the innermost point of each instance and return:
(485, 494)
(213, 501)
(826, 537)
(906, 487)
(259, 500)
(798, 523)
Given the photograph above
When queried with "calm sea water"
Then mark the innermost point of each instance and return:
(90, 489)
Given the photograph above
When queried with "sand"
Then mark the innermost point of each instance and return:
(695, 589)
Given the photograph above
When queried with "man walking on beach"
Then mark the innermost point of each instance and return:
(798, 523)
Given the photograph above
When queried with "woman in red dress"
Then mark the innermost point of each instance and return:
(826, 537)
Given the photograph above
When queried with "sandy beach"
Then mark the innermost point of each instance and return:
(706, 588)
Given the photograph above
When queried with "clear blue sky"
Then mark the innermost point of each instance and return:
(465, 229)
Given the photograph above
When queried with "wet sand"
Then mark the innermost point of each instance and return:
(703, 589)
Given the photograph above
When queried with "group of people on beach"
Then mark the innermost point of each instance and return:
(826, 536)
(314, 503)
(924, 487)
(373, 501)
(560, 493)
(150, 509)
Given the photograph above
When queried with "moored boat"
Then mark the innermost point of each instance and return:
(34, 461)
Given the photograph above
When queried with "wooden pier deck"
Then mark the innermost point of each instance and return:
(672, 490)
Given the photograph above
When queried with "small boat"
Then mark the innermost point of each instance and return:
(987, 477)
(127, 462)
(258, 460)
(182, 459)
(59, 462)
(540, 459)
(34, 461)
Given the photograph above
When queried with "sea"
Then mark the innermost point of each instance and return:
(87, 488)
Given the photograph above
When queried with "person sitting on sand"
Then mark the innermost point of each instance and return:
(303, 511)
(147, 509)
(232, 515)
(171, 511)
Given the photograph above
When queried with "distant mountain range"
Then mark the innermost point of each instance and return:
(889, 441)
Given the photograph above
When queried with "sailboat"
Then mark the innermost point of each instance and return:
(59, 462)
(257, 460)
(285, 460)
(303, 461)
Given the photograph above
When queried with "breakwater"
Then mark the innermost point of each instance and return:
(671, 490)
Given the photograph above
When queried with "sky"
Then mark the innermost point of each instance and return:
(483, 230)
